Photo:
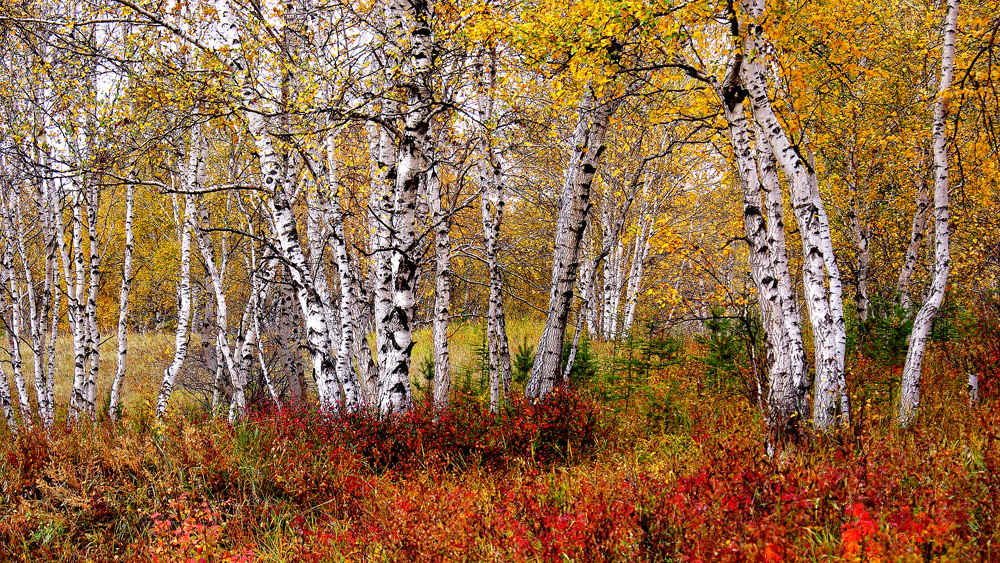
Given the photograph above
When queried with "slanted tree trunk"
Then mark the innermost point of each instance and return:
(818, 262)
(258, 106)
(784, 404)
(916, 242)
(909, 393)
(588, 146)
(791, 315)
(237, 377)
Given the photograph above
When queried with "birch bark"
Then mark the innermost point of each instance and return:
(186, 227)
(784, 404)
(114, 403)
(492, 202)
(414, 33)
(916, 242)
(588, 146)
(909, 393)
(441, 221)
(818, 260)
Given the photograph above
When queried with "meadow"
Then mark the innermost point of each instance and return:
(651, 458)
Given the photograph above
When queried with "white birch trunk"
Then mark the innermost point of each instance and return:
(588, 146)
(784, 405)
(237, 377)
(916, 242)
(810, 217)
(640, 250)
(186, 227)
(412, 20)
(441, 220)
(37, 315)
(14, 330)
(273, 181)
(351, 334)
(6, 405)
(492, 201)
(909, 393)
(76, 309)
(791, 315)
(92, 203)
(114, 404)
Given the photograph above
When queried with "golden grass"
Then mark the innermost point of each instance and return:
(149, 353)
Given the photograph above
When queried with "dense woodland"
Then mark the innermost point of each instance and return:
(499, 280)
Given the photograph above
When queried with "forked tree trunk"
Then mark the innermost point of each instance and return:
(784, 403)
(818, 261)
(774, 202)
(909, 393)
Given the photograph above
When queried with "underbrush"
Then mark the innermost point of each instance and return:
(664, 471)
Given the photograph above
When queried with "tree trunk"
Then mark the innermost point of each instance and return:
(37, 314)
(818, 262)
(92, 204)
(909, 393)
(774, 204)
(588, 145)
(861, 234)
(441, 221)
(412, 22)
(114, 404)
(492, 202)
(351, 334)
(916, 242)
(237, 376)
(640, 250)
(186, 227)
(784, 404)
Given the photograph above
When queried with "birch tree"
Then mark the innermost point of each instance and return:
(114, 402)
(785, 385)
(186, 226)
(489, 168)
(593, 117)
(909, 393)
(819, 263)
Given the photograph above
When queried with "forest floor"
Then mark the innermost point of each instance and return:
(647, 459)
